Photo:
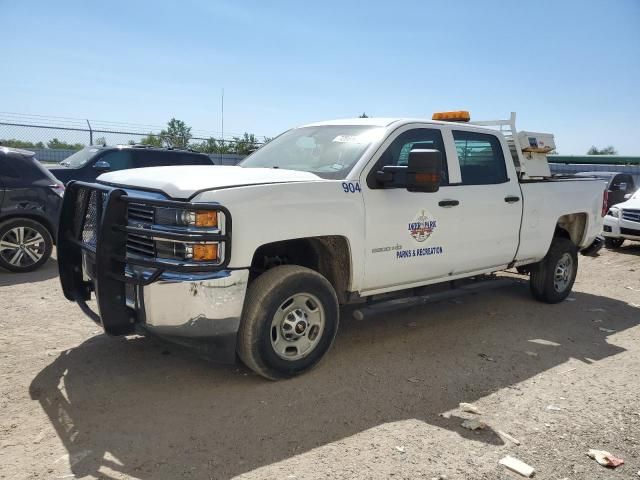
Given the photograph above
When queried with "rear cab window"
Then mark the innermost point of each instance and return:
(481, 158)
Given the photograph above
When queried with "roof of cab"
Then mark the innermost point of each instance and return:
(385, 122)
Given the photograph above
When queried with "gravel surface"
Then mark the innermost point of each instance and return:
(384, 403)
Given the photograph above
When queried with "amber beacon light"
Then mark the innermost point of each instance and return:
(457, 116)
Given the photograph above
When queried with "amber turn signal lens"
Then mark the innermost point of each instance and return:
(206, 218)
(205, 251)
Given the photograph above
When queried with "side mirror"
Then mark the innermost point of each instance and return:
(101, 165)
(424, 170)
(628, 196)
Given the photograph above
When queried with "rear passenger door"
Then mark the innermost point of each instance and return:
(490, 203)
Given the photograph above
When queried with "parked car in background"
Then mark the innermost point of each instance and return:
(618, 185)
(90, 162)
(622, 222)
(30, 201)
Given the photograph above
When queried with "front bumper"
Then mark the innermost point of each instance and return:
(615, 227)
(198, 305)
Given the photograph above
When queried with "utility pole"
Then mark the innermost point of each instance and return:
(223, 118)
(90, 133)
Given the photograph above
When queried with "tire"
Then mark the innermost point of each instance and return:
(287, 301)
(612, 243)
(22, 233)
(552, 278)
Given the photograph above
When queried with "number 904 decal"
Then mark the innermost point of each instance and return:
(351, 187)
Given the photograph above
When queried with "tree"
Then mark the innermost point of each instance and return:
(152, 139)
(57, 144)
(610, 150)
(211, 145)
(12, 142)
(245, 145)
(364, 115)
(177, 134)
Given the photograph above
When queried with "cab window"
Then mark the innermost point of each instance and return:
(481, 158)
(397, 154)
(118, 159)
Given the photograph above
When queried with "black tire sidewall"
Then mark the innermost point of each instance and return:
(610, 242)
(298, 283)
(35, 225)
(559, 247)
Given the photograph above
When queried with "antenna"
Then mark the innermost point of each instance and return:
(223, 117)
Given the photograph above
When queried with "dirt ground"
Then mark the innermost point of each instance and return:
(384, 404)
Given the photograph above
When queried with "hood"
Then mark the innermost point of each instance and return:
(633, 202)
(185, 181)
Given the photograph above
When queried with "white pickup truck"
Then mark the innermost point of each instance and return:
(255, 260)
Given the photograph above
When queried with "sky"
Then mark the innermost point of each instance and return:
(567, 67)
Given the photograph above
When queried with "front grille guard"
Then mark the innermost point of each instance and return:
(106, 247)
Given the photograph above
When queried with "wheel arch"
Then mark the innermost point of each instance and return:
(572, 226)
(328, 255)
(34, 217)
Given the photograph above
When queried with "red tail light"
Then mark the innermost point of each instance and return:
(605, 202)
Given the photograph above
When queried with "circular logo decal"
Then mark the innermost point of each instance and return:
(422, 226)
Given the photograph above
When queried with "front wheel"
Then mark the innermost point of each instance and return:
(289, 321)
(610, 242)
(25, 245)
(552, 278)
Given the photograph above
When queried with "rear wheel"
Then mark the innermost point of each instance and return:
(552, 278)
(610, 242)
(24, 245)
(289, 321)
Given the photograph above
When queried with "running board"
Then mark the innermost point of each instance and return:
(385, 306)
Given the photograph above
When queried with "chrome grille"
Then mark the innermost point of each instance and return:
(631, 214)
(139, 215)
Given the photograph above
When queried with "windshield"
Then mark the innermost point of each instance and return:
(329, 151)
(80, 158)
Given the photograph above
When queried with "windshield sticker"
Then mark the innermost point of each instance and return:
(349, 139)
(422, 226)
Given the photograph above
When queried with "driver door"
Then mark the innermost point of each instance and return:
(410, 237)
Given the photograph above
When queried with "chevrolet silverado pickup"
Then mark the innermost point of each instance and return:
(254, 261)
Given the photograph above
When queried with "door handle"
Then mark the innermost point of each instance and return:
(511, 199)
(448, 203)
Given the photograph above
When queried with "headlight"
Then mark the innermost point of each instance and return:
(203, 231)
(188, 218)
(614, 212)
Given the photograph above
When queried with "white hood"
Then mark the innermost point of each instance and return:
(184, 181)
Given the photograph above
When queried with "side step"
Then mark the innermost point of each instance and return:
(385, 306)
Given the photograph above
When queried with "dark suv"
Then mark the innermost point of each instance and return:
(90, 162)
(30, 201)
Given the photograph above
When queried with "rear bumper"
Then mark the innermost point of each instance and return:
(198, 305)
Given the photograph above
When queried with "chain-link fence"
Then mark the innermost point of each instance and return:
(55, 138)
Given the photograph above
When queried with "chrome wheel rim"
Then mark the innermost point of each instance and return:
(22, 246)
(297, 326)
(563, 273)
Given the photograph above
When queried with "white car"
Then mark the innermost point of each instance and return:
(622, 222)
(256, 259)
